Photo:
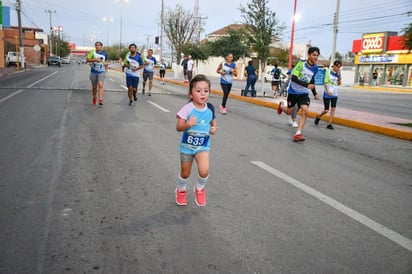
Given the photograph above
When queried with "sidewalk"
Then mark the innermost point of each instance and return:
(385, 125)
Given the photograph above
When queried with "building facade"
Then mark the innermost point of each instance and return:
(383, 53)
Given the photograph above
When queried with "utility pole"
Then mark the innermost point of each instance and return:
(21, 46)
(335, 32)
(51, 30)
(199, 26)
(161, 31)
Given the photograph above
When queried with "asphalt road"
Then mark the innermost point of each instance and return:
(85, 189)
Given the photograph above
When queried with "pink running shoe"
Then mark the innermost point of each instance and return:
(181, 197)
(200, 197)
(94, 101)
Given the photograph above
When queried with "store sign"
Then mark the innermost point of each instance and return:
(374, 42)
(378, 59)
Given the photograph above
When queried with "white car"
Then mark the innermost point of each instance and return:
(66, 60)
(268, 76)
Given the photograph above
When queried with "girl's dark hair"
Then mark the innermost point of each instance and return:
(198, 78)
(337, 63)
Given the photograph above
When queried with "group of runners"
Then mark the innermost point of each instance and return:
(196, 119)
(133, 63)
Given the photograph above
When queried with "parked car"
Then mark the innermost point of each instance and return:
(54, 61)
(268, 76)
(11, 59)
(66, 60)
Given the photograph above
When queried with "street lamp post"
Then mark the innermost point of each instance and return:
(121, 21)
(107, 20)
(292, 36)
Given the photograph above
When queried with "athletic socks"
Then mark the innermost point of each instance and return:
(181, 184)
(201, 182)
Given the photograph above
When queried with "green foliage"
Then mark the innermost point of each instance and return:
(235, 42)
(262, 27)
(64, 49)
(197, 51)
(407, 37)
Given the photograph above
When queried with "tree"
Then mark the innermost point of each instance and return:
(234, 42)
(180, 28)
(407, 37)
(63, 48)
(262, 27)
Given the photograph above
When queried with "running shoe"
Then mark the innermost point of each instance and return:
(200, 196)
(290, 121)
(294, 124)
(298, 138)
(280, 108)
(329, 126)
(134, 96)
(220, 109)
(94, 101)
(130, 102)
(150, 93)
(181, 197)
(224, 111)
(142, 90)
(100, 102)
(317, 119)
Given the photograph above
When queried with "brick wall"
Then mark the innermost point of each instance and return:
(29, 41)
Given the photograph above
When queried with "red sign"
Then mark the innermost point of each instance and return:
(373, 42)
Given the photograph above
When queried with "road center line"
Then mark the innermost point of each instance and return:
(42, 79)
(159, 107)
(11, 95)
(379, 228)
(29, 86)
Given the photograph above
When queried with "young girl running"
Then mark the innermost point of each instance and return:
(197, 121)
(227, 70)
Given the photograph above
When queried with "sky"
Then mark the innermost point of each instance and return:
(139, 20)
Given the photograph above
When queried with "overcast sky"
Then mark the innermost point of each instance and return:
(82, 19)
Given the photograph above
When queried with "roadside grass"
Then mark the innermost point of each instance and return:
(404, 124)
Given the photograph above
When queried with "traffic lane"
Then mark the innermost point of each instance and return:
(147, 225)
(363, 193)
(118, 190)
(380, 162)
(396, 194)
(29, 163)
(365, 147)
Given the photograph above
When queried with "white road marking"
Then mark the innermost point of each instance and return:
(29, 86)
(123, 86)
(377, 227)
(42, 79)
(11, 95)
(159, 107)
